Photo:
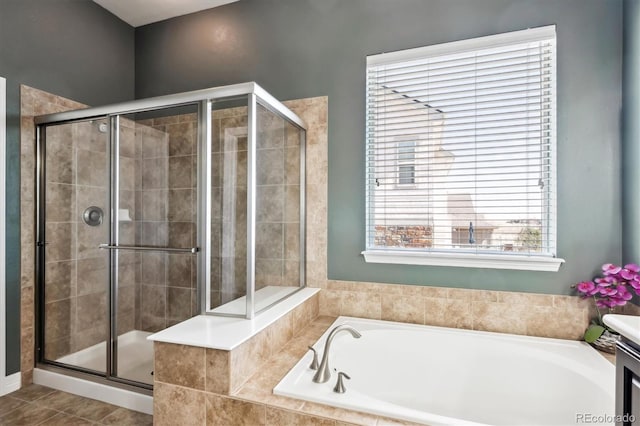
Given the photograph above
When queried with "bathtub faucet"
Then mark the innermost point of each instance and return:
(323, 374)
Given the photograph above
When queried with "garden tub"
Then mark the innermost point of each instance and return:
(443, 376)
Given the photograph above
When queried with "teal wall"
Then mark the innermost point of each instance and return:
(304, 48)
(73, 48)
(631, 132)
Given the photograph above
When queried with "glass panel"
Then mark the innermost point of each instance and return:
(277, 208)
(157, 207)
(76, 287)
(228, 287)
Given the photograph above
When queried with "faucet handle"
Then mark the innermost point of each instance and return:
(339, 387)
(314, 363)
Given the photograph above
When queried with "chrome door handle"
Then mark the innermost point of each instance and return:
(149, 248)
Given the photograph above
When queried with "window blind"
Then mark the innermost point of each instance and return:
(460, 146)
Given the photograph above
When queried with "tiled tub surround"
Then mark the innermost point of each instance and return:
(542, 315)
(215, 387)
(191, 389)
(198, 399)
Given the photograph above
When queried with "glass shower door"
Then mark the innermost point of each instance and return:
(154, 266)
(75, 296)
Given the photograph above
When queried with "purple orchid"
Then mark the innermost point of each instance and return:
(610, 269)
(632, 267)
(586, 287)
(614, 288)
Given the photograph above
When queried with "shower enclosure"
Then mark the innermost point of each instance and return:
(152, 211)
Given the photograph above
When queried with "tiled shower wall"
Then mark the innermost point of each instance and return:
(277, 198)
(228, 205)
(76, 271)
(277, 201)
(165, 215)
(33, 103)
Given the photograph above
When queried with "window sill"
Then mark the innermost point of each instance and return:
(465, 260)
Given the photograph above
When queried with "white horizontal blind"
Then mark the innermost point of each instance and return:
(461, 146)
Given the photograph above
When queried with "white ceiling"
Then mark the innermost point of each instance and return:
(143, 12)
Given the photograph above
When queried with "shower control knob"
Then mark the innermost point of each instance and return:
(92, 216)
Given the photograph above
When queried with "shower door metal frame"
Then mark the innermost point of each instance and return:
(40, 257)
(203, 99)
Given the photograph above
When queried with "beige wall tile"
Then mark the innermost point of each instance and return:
(448, 312)
(545, 321)
(329, 302)
(178, 304)
(304, 314)
(571, 302)
(61, 280)
(403, 309)
(364, 305)
(175, 404)
(92, 310)
(93, 275)
(279, 333)
(179, 270)
(153, 307)
(278, 417)
(499, 317)
(217, 371)
(339, 414)
(27, 315)
(27, 348)
(180, 365)
(258, 391)
(58, 319)
(525, 299)
(227, 411)
(485, 295)
(247, 358)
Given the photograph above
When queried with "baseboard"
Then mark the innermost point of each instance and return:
(10, 383)
(120, 397)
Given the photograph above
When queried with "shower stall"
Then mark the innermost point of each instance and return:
(152, 211)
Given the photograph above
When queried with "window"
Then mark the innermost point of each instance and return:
(461, 153)
(406, 156)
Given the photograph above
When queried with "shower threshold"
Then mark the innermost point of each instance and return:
(264, 297)
(135, 357)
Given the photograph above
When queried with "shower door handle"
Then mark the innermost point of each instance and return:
(150, 248)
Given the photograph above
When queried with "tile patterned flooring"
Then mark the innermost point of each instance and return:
(39, 405)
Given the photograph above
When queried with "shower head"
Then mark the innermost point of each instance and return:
(102, 126)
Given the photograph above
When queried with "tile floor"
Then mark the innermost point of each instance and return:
(39, 405)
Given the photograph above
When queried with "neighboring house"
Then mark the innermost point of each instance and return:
(414, 203)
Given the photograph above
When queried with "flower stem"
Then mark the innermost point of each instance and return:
(598, 309)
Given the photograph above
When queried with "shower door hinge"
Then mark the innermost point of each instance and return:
(41, 243)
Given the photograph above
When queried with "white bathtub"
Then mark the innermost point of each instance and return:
(443, 376)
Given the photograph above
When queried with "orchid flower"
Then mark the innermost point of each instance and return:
(614, 288)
